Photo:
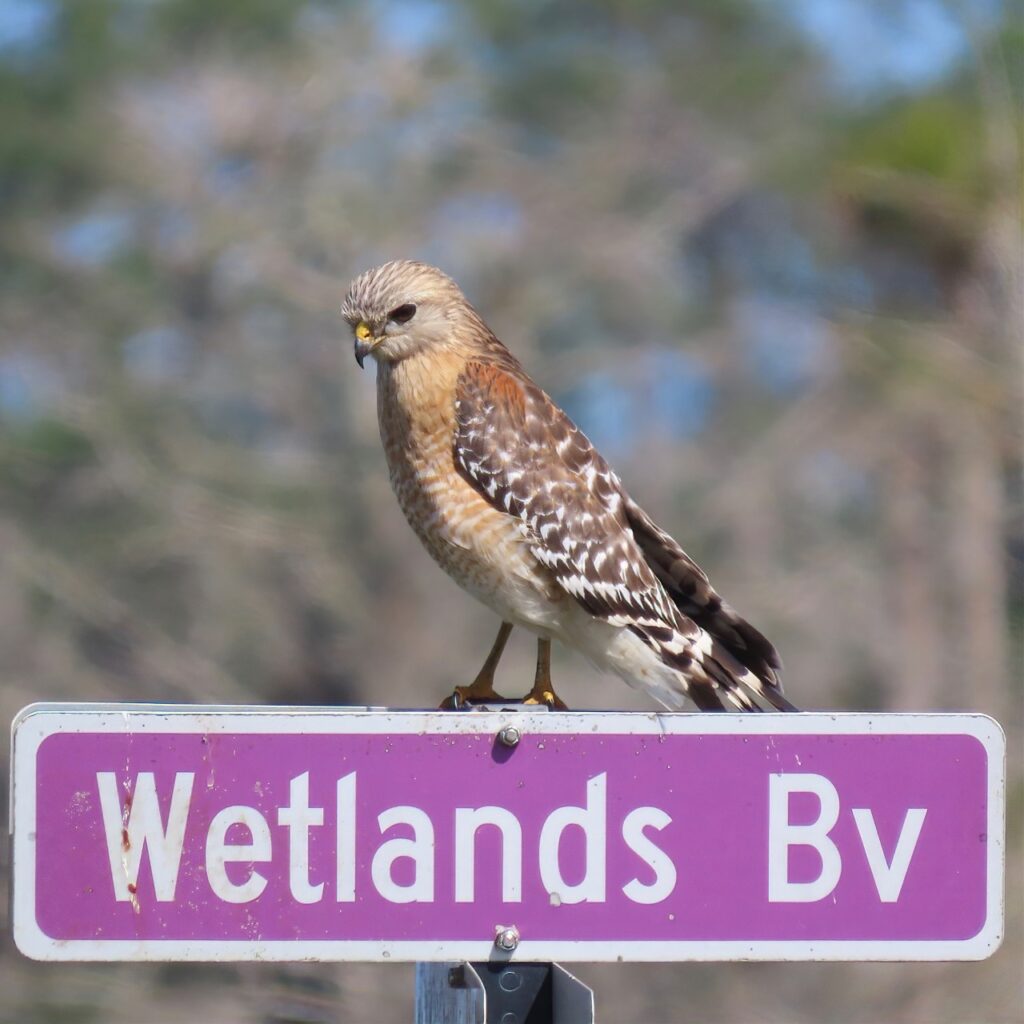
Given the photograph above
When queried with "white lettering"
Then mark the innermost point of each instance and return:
(140, 826)
(403, 869)
(219, 853)
(591, 819)
(419, 849)
(345, 862)
(298, 817)
(655, 858)
(467, 821)
(889, 877)
(782, 835)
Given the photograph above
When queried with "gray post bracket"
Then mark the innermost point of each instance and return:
(500, 993)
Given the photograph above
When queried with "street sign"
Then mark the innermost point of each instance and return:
(193, 833)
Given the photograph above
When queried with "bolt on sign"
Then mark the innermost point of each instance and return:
(188, 833)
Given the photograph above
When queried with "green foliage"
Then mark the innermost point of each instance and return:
(47, 153)
(88, 48)
(937, 137)
(49, 148)
(52, 147)
(1005, 55)
(46, 444)
(554, 90)
(237, 24)
(511, 23)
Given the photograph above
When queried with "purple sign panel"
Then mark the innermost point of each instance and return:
(170, 833)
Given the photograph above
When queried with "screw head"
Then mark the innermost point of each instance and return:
(506, 939)
(509, 735)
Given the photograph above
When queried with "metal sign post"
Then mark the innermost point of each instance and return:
(504, 838)
(504, 993)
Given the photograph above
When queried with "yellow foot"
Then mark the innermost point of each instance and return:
(465, 696)
(547, 697)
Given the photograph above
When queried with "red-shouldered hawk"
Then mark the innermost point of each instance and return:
(513, 502)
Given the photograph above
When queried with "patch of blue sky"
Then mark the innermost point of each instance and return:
(266, 329)
(230, 175)
(235, 269)
(830, 481)
(158, 355)
(413, 26)
(437, 125)
(176, 229)
(365, 101)
(605, 411)
(185, 124)
(876, 48)
(319, 16)
(385, 141)
(226, 407)
(851, 287)
(239, 418)
(788, 346)
(481, 213)
(682, 393)
(671, 394)
(469, 226)
(792, 262)
(95, 237)
(29, 387)
(764, 249)
(26, 25)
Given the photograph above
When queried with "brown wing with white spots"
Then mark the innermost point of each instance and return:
(529, 459)
(521, 452)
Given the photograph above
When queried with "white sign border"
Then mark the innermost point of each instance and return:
(36, 722)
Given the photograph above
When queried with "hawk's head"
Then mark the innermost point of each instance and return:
(402, 307)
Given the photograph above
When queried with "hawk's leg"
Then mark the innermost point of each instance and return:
(543, 691)
(481, 690)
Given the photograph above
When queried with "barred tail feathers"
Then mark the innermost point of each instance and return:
(740, 655)
(708, 673)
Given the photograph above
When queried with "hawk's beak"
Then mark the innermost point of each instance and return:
(363, 349)
(364, 342)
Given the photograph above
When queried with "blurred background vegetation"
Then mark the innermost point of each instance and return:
(767, 254)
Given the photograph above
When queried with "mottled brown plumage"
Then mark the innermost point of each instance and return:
(513, 501)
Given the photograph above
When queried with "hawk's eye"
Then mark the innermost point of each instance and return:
(403, 314)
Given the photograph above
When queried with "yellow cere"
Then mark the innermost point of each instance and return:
(363, 330)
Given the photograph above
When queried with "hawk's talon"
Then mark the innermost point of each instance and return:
(481, 690)
(543, 691)
(548, 698)
(454, 702)
(465, 697)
